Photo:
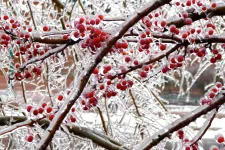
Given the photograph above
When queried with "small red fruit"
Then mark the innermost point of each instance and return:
(29, 108)
(41, 110)
(162, 47)
(44, 105)
(30, 138)
(49, 109)
(51, 116)
(60, 97)
(45, 28)
(163, 23)
(35, 112)
(220, 139)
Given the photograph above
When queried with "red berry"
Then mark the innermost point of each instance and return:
(5, 17)
(95, 71)
(29, 29)
(220, 139)
(180, 58)
(73, 119)
(180, 132)
(3, 36)
(188, 3)
(97, 21)
(184, 36)
(49, 109)
(213, 5)
(218, 84)
(218, 57)
(210, 32)
(92, 22)
(81, 28)
(41, 110)
(162, 47)
(65, 36)
(136, 62)
(29, 108)
(30, 138)
(35, 112)
(14, 25)
(212, 95)
(127, 59)
(124, 45)
(213, 60)
(215, 90)
(108, 67)
(173, 28)
(143, 74)
(100, 17)
(45, 28)
(60, 97)
(73, 109)
(101, 87)
(81, 20)
(51, 117)
(188, 21)
(215, 51)
(83, 102)
(163, 23)
(146, 68)
(44, 105)
(12, 21)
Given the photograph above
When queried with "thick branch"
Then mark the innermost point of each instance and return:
(219, 11)
(59, 3)
(98, 138)
(178, 124)
(65, 108)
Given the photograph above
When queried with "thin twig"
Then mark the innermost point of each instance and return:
(49, 53)
(61, 19)
(71, 12)
(48, 86)
(102, 120)
(32, 16)
(205, 127)
(159, 101)
(135, 104)
(82, 7)
(23, 84)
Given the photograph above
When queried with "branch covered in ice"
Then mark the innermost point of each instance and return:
(152, 141)
(205, 127)
(210, 12)
(96, 137)
(49, 53)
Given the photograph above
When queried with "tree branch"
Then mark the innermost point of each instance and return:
(58, 3)
(96, 137)
(65, 108)
(178, 124)
(205, 127)
(219, 11)
(49, 53)
(32, 15)
(148, 62)
(103, 120)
